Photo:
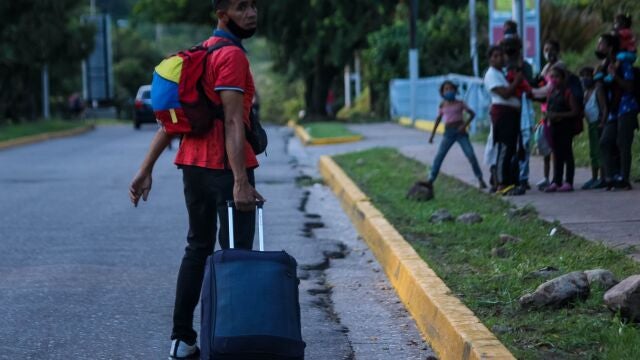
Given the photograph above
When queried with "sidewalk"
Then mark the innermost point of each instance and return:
(610, 217)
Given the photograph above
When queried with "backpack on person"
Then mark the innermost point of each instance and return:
(575, 86)
(180, 104)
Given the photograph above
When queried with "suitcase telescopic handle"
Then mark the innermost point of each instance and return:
(259, 205)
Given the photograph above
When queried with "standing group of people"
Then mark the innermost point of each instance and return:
(606, 96)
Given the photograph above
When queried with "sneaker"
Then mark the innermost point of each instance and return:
(482, 184)
(599, 184)
(505, 189)
(566, 187)
(542, 184)
(590, 184)
(624, 185)
(182, 350)
(551, 188)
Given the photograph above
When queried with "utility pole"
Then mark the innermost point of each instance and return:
(46, 114)
(413, 59)
(473, 25)
(518, 7)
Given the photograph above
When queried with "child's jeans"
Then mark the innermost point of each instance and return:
(450, 137)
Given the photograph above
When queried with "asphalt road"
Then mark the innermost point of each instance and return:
(84, 275)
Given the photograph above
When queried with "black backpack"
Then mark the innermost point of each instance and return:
(575, 86)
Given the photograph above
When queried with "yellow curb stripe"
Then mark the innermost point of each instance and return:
(26, 140)
(445, 322)
(424, 125)
(306, 139)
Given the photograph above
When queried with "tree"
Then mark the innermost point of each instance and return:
(311, 40)
(134, 61)
(443, 47)
(35, 33)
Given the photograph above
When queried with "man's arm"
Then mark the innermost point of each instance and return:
(435, 128)
(141, 183)
(244, 195)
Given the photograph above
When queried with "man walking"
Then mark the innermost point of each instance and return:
(215, 167)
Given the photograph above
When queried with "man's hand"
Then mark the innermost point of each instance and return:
(245, 196)
(462, 129)
(140, 187)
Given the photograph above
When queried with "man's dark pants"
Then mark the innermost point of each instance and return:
(617, 138)
(206, 193)
(506, 132)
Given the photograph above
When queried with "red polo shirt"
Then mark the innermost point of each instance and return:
(227, 69)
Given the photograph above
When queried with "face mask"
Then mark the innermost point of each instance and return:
(240, 32)
(449, 96)
(587, 83)
(546, 56)
(601, 55)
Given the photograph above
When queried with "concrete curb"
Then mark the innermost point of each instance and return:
(306, 139)
(424, 125)
(446, 323)
(26, 140)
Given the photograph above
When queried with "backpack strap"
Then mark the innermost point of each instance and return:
(219, 45)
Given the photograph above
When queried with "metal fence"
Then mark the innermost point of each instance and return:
(471, 91)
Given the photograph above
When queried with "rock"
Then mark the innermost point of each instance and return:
(521, 212)
(499, 252)
(602, 277)
(469, 218)
(559, 291)
(506, 239)
(420, 191)
(440, 216)
(501, 329)
(544, 273)
(625, 297)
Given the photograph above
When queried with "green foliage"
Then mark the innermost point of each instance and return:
(134, 60)
(325, 130)
(443, 46)
(490, 286)
(316, 47)
(174, 11)
(15, 131)
(34, 33)
(573, 27)
(280, 98)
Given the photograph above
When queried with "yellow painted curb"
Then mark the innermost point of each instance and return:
(306, 139)
(26, 140)
(424, 125)
(446, 323)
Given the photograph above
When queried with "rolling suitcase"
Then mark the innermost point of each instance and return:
(249, 302)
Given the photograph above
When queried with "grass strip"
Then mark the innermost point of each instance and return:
(323, 130)
(15, 131)
(461, 255)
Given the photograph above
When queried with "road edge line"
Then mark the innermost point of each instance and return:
(33, 139)
(445, 322)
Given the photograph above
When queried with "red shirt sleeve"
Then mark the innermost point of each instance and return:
(232, 71)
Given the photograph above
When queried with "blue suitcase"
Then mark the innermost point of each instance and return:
(249, 302)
